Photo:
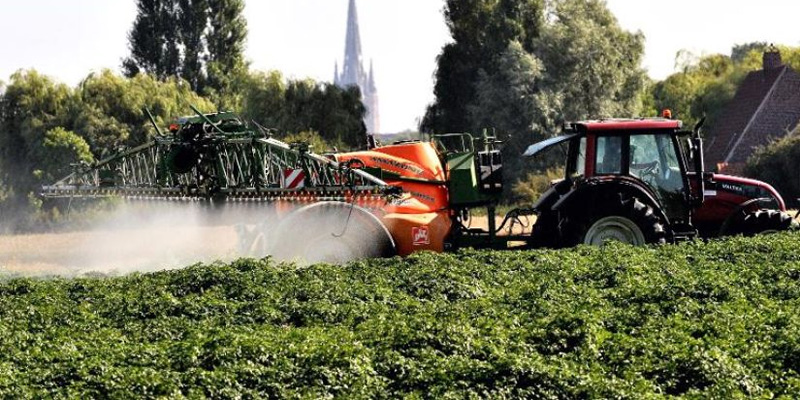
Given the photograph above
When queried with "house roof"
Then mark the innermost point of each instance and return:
(766, 106)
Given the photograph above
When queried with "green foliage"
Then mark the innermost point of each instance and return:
(702, 88)
(313, 139)
(46, 126)
(482, 30)
(226, 66)
(296, 106)
(154, 40)
(591, 61)
(579, 60)
(779, 165)
(31, 106)
(200, 41)
(112, 111)
(508, 100)
(533, 185)
(514, 70)
(264, 98)
(742, 51)
(697, 320)
(60, 149)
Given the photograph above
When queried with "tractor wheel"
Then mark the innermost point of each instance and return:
(544, 231)
(332, 232)
(764, 221)
(625, 220)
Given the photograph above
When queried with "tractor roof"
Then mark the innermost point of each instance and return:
(619, 126)
(623, 125)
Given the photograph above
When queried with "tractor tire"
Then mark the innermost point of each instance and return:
(544, 231)
(627, 220)
(764, 221)
(331, 232)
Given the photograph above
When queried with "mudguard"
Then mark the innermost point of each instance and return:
(595, 188)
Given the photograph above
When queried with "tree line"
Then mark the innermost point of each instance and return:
(182, 52)
(46, 126)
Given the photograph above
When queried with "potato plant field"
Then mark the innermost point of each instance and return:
(717, 319)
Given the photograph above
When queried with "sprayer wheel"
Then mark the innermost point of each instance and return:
(333, 232)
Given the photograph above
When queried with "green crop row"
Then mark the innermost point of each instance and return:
(718, 319)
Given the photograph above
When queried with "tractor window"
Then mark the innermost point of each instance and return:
(609, 151)
(580, 159)
(653, 159)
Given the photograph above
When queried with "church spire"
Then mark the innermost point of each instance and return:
(352, 69)
(353, 72)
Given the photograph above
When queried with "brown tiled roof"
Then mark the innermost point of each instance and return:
(765, 107)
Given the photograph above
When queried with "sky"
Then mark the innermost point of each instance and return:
(68, 39)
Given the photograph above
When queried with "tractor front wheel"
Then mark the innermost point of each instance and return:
(625, 220)
(764, 222)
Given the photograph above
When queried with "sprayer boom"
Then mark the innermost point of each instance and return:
(218, 157)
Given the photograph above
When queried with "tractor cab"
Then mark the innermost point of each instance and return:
(644, 154)
(643, 181)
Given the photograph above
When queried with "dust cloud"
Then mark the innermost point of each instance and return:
(154, 236)
(142, 237)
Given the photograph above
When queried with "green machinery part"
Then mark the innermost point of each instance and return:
(216, 156)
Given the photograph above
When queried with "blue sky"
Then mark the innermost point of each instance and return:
(68, 39)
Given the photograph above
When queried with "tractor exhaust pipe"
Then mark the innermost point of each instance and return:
(699, 162)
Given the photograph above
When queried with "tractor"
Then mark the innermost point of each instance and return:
(637, 181)
(643, 181)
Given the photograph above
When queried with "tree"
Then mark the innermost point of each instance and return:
(33, 147)
(192, 17)
(336, 114)
(46, 126)
(31, 106)
(58, 151)
(201, 41)
(590, 65)
(779, 165)
(482, 30)
(524, 67)
(264, 99)
(296, 106)
(741, 51)
(591, 62)
(153, 41)
(508, 98)
(225, 64)
(511, 102)
(110, 110)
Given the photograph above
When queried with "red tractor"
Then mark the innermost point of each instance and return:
(643, 181)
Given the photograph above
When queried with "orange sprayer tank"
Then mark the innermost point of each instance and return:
(421, 219)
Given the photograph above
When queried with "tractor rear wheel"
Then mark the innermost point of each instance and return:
(627, 220)
(332, 232)
(764, 221)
